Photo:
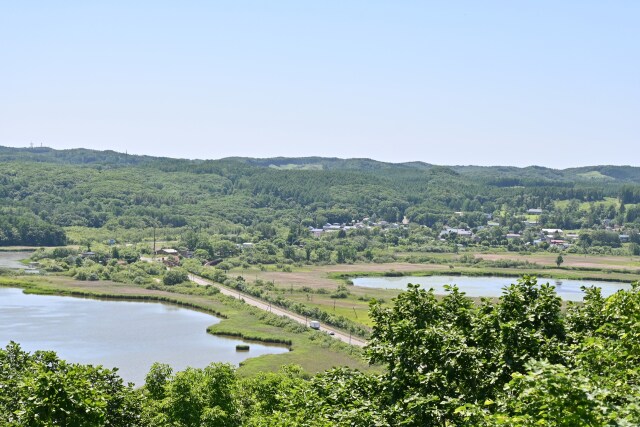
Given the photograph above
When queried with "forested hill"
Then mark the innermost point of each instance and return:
(47, 188)
(629, 174)
(81, 156)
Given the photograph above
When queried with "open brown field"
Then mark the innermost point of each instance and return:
(318, 276)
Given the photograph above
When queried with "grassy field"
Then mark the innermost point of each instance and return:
(608, 201)
(17, 249)
(595, 175)
(312, 350)
(571, 260)
(79, 235)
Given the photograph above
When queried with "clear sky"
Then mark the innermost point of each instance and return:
(554, 83)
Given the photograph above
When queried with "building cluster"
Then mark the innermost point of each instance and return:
(365, 223)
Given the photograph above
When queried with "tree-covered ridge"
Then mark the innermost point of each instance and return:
(519, 362)
(74, 156)
(530, 174)
(108, 190)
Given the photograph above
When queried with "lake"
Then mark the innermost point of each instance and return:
(128, 335)
(568, 290)
(12, 259)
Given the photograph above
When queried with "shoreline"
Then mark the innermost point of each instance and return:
(34, 289)
(314, 351)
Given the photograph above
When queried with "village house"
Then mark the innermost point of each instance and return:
(459, 231)
(552, 231)
(167, 251)
(559, 243)
(316, 232)
(332, 227)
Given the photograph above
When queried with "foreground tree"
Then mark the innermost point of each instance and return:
(442, 354)
(193, 397)
(39, 389)
(597, 385)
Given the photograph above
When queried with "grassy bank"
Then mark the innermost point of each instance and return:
(312, 350)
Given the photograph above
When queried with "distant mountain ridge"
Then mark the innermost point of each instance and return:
(508, 175)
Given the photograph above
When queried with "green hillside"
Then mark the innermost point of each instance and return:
(88, 188)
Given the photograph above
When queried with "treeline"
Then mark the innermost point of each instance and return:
(630, 194)
(447, 361)
(21, 227)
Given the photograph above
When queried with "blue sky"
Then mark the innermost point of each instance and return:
(458, 82)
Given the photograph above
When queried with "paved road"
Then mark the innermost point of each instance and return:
(276, 310)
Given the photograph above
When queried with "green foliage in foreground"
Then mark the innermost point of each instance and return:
(518, 362)
(41, 390)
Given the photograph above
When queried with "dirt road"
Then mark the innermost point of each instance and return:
(248, 299)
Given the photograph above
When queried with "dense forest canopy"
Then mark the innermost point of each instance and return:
(63, 188)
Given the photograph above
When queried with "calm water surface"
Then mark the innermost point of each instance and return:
(11, 259)
(127, 335)
(568, 290)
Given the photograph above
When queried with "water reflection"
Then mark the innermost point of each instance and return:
(12, 259)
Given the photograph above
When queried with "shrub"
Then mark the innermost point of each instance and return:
(175, 276)
(341, 292)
